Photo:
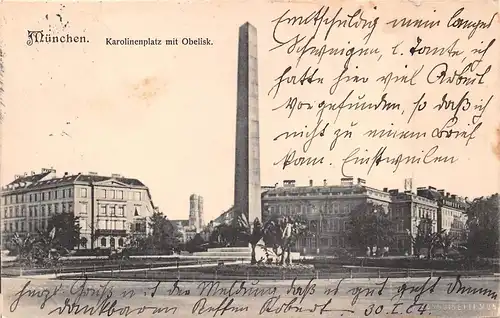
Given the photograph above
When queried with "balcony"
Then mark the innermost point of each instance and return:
(111, 232)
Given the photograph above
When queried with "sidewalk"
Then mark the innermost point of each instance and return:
(77, 274)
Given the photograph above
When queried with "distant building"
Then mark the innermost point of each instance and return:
(407, 211)
(452, 212)
(183, 227)
(196, 221)
(109, 207)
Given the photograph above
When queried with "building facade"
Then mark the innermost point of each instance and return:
(325, 207)
(452, 212)
(109, 208)
(407, 211)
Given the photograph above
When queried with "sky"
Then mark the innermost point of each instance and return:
(166, 115)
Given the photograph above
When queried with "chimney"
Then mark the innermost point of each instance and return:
(310, 182)
(454, 196)
(17, 176)
(65, 174)
(276, 184)
(346, 182)
(116, 175)
(385, 189)
(92, 173)
(324, 182)
(447, 194)
(33, 173)
(25, 174)
(394, 191)
(289, 183)
(432, 188)
(361, 181)
(441, 191)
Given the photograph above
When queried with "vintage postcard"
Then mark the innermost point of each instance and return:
(250, 158)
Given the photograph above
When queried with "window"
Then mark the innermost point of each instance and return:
(22, 226)
(83, 224)
(137, 211)
(43, 211)
(10, 212)
(119, 195)
(63, 207)
(103, 242)
(111, 194)
(346, 209)
(83, 208)
(120, 242)
(55, 194)
(35, 211)
(121, 211)
(23, 211)
(70, 192)
(137, 196)
(102, 209)
(17, 211)
(102, 193)
(10, 227)
(6, 213)
(56, 208)
(112, 210)
(83, 193)
(112, 242)
(49, 209)
(70, 207)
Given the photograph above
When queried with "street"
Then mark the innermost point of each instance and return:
(446, 297)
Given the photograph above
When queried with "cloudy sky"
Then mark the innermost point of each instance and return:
(166, 114)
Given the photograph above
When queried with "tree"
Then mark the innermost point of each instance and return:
(196, 244)
(426, 237)
(255, 238)
(24, 247)
(446, 240)
(483, 223)
(163, 237)
(369, 227)
(280, 234)
(67, 230)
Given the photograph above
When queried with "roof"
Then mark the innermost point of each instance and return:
(182, 222)
(36, 181)
(318, 189)
(96, 178)
(30, 178)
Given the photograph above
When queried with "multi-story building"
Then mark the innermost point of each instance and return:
(407, 211)
(109, 208)
(185, 229)
(325, 207)
(452, 212)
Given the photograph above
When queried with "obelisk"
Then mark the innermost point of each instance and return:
(247, 188)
